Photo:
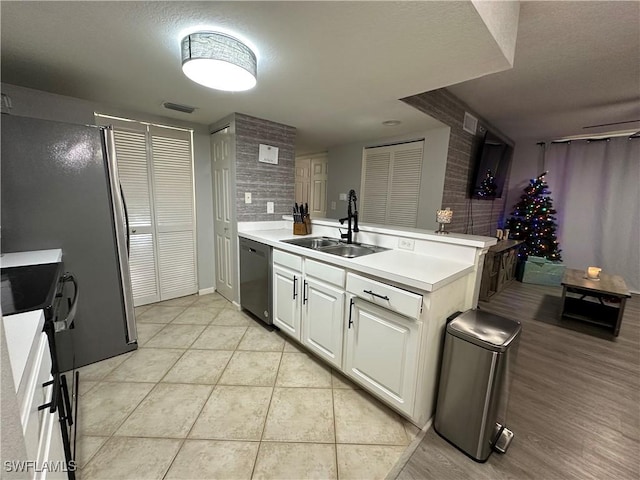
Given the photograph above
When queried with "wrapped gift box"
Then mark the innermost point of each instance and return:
(541, 271)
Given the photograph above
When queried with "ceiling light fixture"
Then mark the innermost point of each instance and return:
(391, 123)
(219, 61)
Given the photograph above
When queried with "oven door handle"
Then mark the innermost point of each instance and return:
(68, 277)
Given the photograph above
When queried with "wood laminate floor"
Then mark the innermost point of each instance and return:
(574, 405)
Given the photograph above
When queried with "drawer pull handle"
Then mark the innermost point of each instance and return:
(350, 308)
(304, 292)
(295, 287)
(53, 404)
(383, 297)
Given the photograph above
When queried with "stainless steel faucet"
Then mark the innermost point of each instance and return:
(352, 214)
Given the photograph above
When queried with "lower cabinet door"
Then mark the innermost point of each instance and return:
(382, 352)
(51, 458)
(323, 320)
(286, 300)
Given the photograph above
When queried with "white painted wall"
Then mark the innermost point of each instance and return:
(38, 104)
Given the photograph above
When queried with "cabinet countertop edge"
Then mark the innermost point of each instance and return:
(426, 273)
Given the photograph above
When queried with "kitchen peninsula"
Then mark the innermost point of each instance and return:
(378, 318)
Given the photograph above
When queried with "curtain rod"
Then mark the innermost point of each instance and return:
(594, 139)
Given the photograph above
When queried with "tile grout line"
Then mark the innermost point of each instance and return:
(335, 430)
(264, 424)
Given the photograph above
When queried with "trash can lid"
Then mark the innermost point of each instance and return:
(485, 329)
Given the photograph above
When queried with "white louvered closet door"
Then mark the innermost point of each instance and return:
(174, 211)
(131, 155)
(391, 177)
(375, 181)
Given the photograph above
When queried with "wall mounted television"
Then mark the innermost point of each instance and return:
(494, 155)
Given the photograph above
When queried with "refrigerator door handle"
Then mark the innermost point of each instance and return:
(121, 236)
(126, 221)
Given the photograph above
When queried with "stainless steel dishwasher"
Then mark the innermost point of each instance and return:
(255, 278)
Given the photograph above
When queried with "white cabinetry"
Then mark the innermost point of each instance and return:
(286, 301)
(28, 349)
(382, 352)
(308, 304)
(323, 318)
(385, 336)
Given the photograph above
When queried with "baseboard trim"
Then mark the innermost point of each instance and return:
(206, 291)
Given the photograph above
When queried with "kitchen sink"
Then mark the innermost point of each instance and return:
(336, 247)
(314, 242)
(351, 250)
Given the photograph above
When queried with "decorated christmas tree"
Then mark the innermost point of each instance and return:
(488, 187)
(533, 221)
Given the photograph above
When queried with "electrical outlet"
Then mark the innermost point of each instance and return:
(269, 207)
(343, 196)
(247, 197)
(333, 205)
(406, 243)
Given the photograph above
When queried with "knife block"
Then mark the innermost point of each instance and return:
(299, 228)
(302, 228)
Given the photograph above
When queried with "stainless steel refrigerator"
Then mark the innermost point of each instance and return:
(60, 189)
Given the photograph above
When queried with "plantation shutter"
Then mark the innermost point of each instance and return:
(391, 184)
(155, 166)
(131, 155)
(174, 208)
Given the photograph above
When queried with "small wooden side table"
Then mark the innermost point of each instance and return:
(595, 301)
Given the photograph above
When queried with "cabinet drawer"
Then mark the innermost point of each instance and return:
(35, 396)
(285, 259)
(394, 298)
(324, 272)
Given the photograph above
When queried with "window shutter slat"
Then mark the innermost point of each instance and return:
(391, 184)
(405, 187)
(131, 154)
(374, 188)
(173, 180)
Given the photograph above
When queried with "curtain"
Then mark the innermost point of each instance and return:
(595, 187)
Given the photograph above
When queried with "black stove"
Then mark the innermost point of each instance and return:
(30, 287)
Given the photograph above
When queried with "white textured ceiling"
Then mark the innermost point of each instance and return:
(576, 64)
(334, 70)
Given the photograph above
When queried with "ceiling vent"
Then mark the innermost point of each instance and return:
(470, 123)
(179, 108)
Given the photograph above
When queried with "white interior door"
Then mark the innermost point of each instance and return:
(318, 190)
(174, 211)
(302, 180)
(131, 156)
(222, 144)
(155, 167)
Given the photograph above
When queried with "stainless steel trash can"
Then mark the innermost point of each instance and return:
(479, 354)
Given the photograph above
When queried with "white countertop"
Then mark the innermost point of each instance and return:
(22, 333)
(412, 269)
(36, 257)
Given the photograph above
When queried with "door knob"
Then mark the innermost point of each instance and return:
(133, 230)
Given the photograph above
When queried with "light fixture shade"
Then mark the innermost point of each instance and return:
(218, 61)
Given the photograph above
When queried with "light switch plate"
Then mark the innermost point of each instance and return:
(343, 196)
(247, 197)
(269, 207)
(406, 243)
(333, 205)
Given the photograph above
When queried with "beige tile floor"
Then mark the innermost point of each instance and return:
(211, 393)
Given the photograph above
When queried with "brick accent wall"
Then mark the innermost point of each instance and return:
(266, 182)
(479, 217)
